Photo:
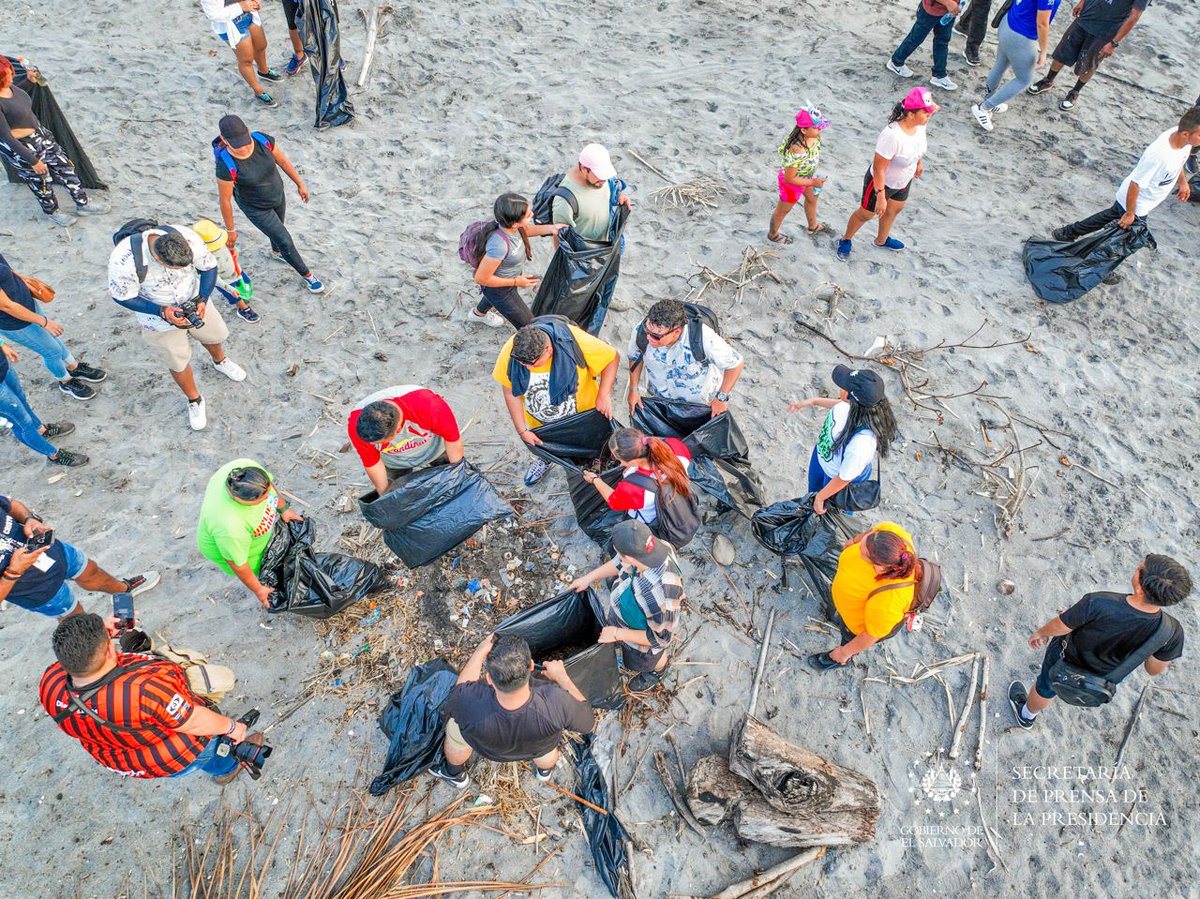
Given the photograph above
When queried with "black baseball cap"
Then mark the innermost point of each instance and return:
(234, 131)
(864, 386)
(633, 539)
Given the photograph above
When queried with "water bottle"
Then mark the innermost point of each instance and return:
(817, 190)
(946, 19)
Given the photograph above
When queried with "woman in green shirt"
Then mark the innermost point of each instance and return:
(237, 518)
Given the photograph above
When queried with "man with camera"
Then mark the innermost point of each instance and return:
(135, 713)
(35, 567)
(165, 276)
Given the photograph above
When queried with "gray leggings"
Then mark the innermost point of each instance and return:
(1017, 52)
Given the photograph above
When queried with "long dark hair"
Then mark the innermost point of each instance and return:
(507, 211)
(627, 444)
(877, 419)
(899, 112)
(890, 551)
(796, 137)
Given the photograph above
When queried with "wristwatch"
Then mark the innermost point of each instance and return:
(1115, 43)
(722, 396)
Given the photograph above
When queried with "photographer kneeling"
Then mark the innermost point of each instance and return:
(135, 713)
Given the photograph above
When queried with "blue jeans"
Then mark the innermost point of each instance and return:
(209, 762)
(25, 423)
(924, 24)
(818, 480)
(605, 298)
(1054, 652)
(63, 600)
(53, 351)
(507, 301)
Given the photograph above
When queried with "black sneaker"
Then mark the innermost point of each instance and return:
(73, 387)
(270, 75)
(1016, 698)
(1039, 86)
(822, 661)
(58, 429)
(1061, 235)
(645, 682)
(85, 372)
(971, 56)
(67, 460)
(459, 782)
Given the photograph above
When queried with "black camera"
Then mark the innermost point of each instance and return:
(40, 539)
(250, 755)
(190, 310)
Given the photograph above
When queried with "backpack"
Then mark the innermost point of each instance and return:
(543, 200)
(926, 589)
(678, 515)
(697, 317)
(468, 242)
(134, 229)
(220, 154)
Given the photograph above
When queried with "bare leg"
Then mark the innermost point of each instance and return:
(456, 755)
(297, 44)
(245, 62)
(216, 350)
(1035, 702)
(858, 218)
(258, 38)
(186, 380)
(781, 211)
(886, 220)
(810, 209)
(547, 761)
(93, 577)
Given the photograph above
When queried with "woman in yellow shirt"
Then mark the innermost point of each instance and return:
(873, 589)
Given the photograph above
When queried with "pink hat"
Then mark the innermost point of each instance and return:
(920, 98)
(596, 158)
(810, 117)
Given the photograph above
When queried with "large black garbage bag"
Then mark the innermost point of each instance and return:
(413, 722)
(792, 529)
(318, 25)
(427, 513)
(592, 512)
(568, 622)
(606, 836)
(669, 418)
(575, 442)
(53, 119)
(312, 584)
(578, 272)
(1062, 272)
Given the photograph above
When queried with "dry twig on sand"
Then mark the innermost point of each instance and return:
(965, 717)
(754, 266)
(983, 700)
(1129, 729)
(702, 191)
(770, 880)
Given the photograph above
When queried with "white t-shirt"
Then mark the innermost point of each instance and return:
(1155, 173)
(904, 150)
(672, 372)
(853, 458)
(162, 285)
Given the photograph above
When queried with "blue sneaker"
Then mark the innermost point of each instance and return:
(314, 286)
(891, 244)
(537, 471)
(248, 315)
(843, 249)
(267, 100)
(294, 64)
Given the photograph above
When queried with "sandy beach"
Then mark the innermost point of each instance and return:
(1095, 400)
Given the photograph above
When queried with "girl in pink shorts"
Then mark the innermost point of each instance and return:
(800, 154)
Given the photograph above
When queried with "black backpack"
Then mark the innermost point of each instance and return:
(678, 515)
(543, 200)
(134, 228)
(697, 317)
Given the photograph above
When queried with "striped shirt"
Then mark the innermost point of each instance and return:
(154, 699)
(659, 594)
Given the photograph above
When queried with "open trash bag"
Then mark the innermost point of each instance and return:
(720, 453)
(792, 529)
(578, 272)
(313, 584)
(50, 114)
(567, 623)
(1062, 272)
(426, 513)
(606, 836)
(413, 722)
(575, 442)
(319, 30)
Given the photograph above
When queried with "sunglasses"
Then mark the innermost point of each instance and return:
(651, 335)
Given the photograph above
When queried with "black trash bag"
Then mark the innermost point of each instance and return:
(669, 418)
(1062, 272)
(592, 512)
(567, 621)
(319, 30)
(575, 441)
(315, 585)
(52, 118)
(792, 529)
(426, 513)
(413, 722)
(734, 485)
(606, 836)
(580, 269)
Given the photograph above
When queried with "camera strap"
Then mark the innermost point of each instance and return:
(76, 699)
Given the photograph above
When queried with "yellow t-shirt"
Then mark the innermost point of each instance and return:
(855, 579)
(538, 409)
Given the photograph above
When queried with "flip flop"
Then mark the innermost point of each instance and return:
(780, 238)
(821, 228)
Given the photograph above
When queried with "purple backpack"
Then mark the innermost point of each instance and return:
(468, 242)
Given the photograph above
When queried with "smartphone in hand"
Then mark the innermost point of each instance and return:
(123, 611)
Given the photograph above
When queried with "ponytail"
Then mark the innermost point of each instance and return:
(892, 553)
(898, 113)
(628, 444)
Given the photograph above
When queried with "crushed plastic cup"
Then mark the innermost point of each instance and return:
(473, 586)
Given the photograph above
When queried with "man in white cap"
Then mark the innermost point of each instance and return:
(597, 191)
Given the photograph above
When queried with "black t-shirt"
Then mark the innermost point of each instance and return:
(1106, 630)
(258, 183)
(35, 587)
(1104, 18)
(18, 292)
(526, 733)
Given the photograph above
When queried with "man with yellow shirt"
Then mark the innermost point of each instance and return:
(549, 370)
(873, 590)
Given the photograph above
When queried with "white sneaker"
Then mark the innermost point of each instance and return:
(982, 116)
(491, 318)
(1003, 107)
(196, 415)
(230, 369)
(902, 71)
(944, 83)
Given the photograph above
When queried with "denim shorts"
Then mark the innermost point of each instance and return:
(1054, 652)
(64, 600)
(209, 762)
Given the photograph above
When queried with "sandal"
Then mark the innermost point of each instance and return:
(821, 228)
(780, 238)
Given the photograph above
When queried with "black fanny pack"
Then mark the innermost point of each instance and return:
(1075, 686)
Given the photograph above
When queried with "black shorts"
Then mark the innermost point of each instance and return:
(638, 661)
(1080, 49)
(290, 9)
(868, 197)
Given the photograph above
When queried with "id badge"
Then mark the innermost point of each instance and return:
(43, 563)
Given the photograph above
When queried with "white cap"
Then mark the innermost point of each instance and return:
(596, 158)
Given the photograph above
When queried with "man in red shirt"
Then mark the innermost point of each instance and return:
(402, 428)
(134, 713)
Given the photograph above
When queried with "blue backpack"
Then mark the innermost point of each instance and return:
(222, 155)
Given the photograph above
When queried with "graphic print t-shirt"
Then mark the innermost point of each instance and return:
(428, 425)
(855, 454)
(538, 409)
(36, 585)
(674, 372)
(233, 531)
(162, 285)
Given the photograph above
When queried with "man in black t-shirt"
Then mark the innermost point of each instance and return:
(1106, 629)
(505, 718)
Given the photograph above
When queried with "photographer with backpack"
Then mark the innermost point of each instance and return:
(684, 357)
(1095, 644)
